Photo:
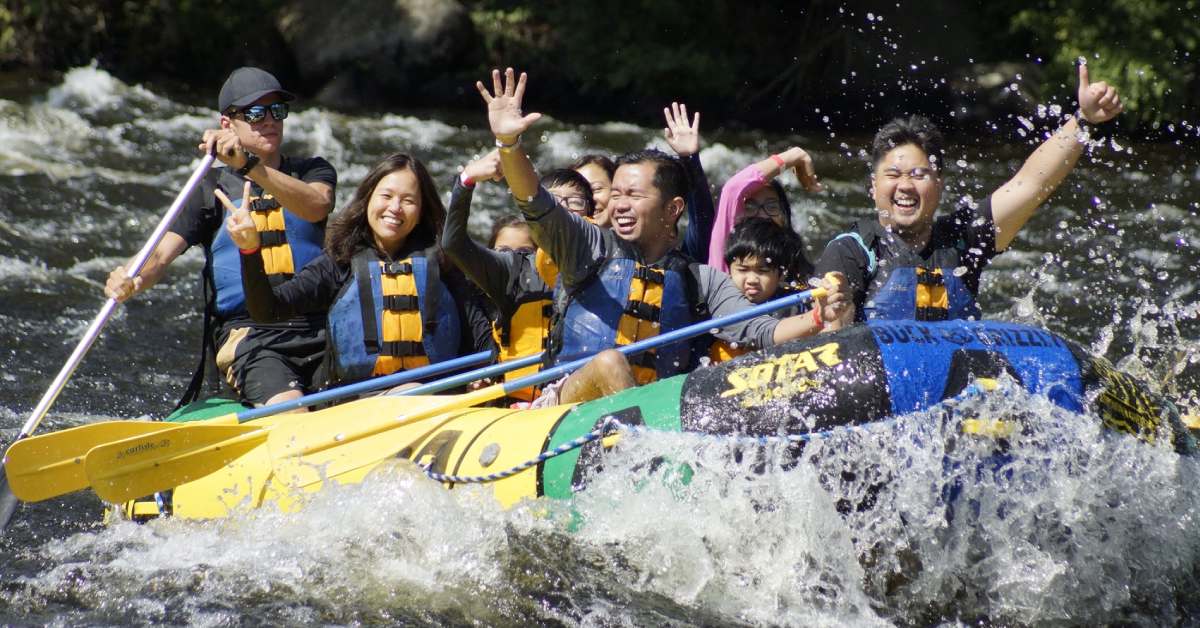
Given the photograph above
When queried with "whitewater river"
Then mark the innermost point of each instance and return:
(1086, 528)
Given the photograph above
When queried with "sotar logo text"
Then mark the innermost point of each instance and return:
(782, 370)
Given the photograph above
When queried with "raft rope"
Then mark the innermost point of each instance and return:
(611, 426)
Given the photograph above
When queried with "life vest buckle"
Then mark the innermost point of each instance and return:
(397, 268)
(264, 204)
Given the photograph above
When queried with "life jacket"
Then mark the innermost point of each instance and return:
(526, 330)
(721, 351)
(391, 316)
(288, 243)
(906, 287)
(626, 302)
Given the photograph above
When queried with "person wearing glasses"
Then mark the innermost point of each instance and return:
(756, 191)
(289, 198)
(907, 264)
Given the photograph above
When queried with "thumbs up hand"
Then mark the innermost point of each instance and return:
(1098, 102)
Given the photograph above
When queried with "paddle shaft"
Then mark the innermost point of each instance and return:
(497, 391)
(695, 329)
(395, 379)
(93, 331)
(8, 501)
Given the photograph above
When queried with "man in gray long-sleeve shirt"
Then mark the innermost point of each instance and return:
(627, 283)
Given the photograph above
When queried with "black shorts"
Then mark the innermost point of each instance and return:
(261, 363)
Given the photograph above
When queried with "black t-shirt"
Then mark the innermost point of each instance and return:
(967, 236)
(203, 216)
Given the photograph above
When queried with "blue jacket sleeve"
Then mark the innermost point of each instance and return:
(701, 212)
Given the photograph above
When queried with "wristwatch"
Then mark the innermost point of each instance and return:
(251, 162)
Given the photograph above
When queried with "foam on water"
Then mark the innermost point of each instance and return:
(911, 522)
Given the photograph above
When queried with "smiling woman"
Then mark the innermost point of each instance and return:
(390, 307)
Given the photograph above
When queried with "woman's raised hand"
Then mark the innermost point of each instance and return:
(799, 159)
(504, 106)
(240, 223)
(684, 138)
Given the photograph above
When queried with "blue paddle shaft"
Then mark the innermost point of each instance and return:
(683, 333)
(341, 392)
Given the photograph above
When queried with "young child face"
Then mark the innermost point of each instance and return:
(757, 279)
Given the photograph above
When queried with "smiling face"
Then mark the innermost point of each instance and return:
(756, 279)
(639, 213)
(262, 138)
(394, 209)
(906, 200)
(601, 190)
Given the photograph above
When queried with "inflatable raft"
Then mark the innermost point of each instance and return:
(800, 389)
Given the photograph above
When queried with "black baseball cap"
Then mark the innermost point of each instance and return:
(246, 85)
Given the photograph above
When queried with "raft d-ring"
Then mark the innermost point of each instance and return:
(992, 428)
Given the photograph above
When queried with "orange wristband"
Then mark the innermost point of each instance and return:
(817, 317)
(779, 160)
(250, 251)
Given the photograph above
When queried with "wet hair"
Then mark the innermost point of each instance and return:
(502, 223)
(776, 246)
(349, 231)
(566, 176)
(670, 179)
(606, 164)
(916, 130)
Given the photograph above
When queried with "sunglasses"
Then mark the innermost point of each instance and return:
(256, 113)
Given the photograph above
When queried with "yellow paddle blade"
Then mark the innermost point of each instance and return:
(41, 467)
(142, 465)
(308, 449)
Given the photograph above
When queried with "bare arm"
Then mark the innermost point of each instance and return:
(120, 287)
(310, 201)
(831, 310)
(1014, 202)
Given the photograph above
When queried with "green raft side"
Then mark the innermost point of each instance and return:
(656, 404)
(205, 409)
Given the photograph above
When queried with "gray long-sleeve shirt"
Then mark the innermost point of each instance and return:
(579, 248)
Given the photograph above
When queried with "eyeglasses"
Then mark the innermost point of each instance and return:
(771, 208)
(255, 113)
(523, 250)
(916, 174)
(573, 203)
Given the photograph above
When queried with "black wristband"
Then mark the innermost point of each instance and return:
(251, 162)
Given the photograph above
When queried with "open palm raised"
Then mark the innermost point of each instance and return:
(504, 106)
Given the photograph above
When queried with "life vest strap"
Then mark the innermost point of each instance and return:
(644, 311)
(401, 348)
(648, 274)
(273, 238)
(930, 277)
(397, 268)
(264, 204)
(401, 302)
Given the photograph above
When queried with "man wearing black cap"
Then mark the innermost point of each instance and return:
(289, 199)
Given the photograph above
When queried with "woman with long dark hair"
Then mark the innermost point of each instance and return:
(391, 305)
